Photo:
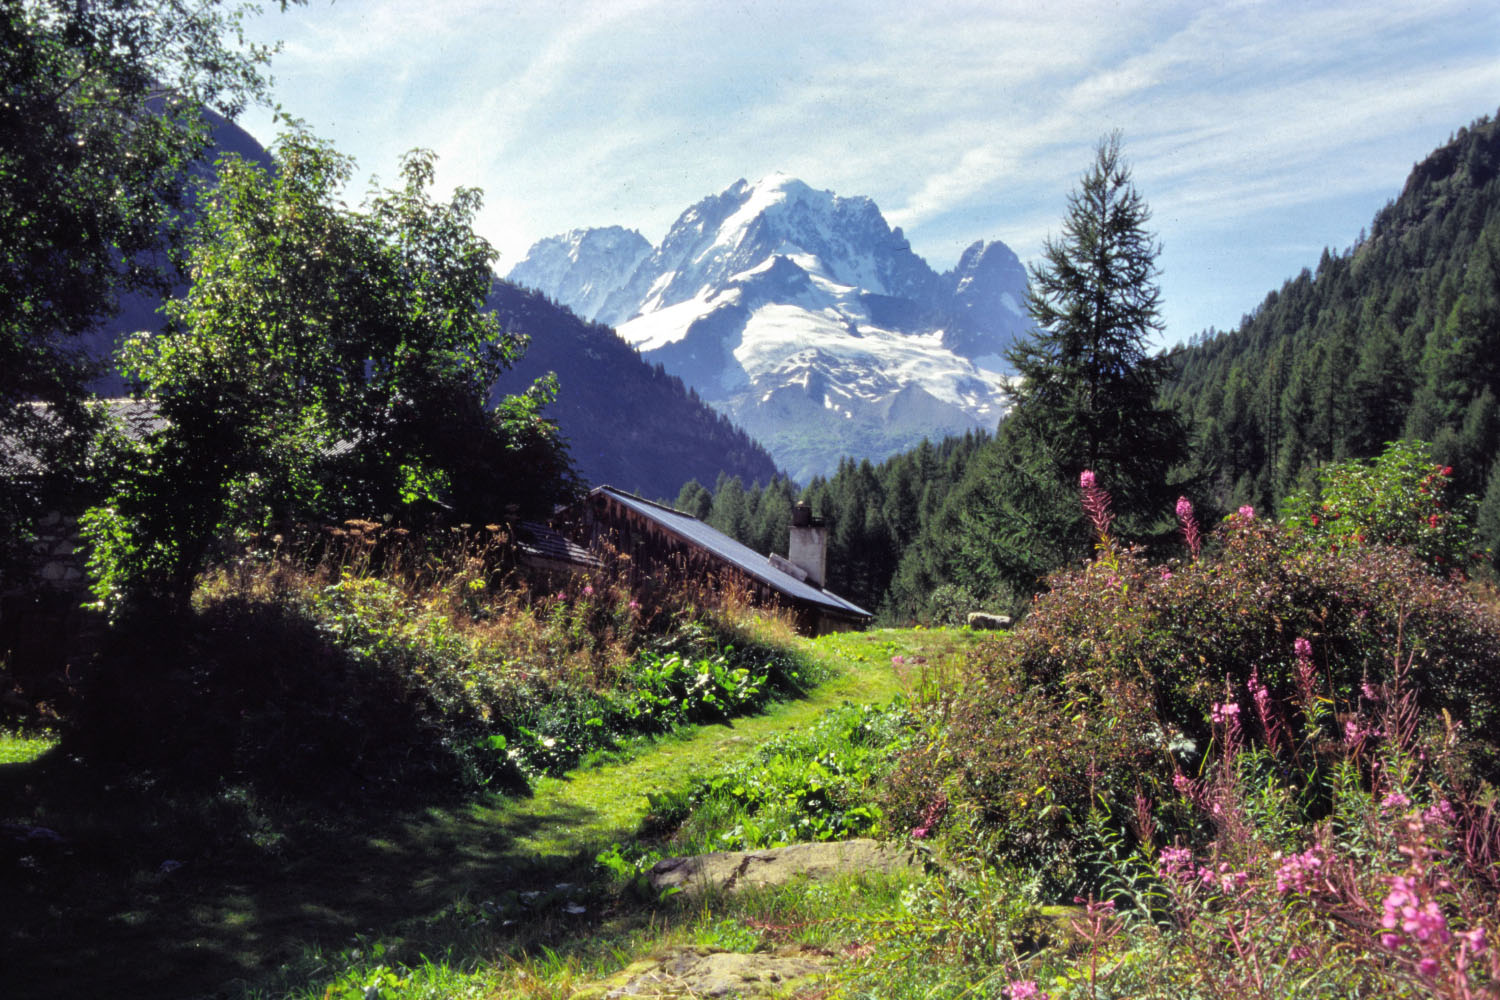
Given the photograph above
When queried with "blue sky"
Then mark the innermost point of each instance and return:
(1259, 132)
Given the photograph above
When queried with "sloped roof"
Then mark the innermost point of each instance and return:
(742, 557)
(538, 541)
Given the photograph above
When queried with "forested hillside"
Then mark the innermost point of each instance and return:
(627, 423)
(1399, 336)
(874, 511)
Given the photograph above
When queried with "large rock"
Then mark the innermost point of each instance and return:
(730, 871)
(709, 972)
(985, 620)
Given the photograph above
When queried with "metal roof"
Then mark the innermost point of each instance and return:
(538, 541)
(742, 557)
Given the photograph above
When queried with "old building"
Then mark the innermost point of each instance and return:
(659, 539)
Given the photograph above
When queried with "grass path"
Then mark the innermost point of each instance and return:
(596, 807)
(106, 914)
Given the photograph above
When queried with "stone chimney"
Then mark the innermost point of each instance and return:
(809, 547)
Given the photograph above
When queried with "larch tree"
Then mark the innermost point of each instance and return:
(1085, 397)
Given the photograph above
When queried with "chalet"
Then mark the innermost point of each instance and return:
(663, 539)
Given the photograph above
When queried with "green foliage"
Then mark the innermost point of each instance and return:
(1085, 398)
(324, 363)
(818, 784)
(1401, 498)
(1394, 337)
(1106, 690)
(874, 512)
(103, 114)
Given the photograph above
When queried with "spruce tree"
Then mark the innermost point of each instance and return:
(1086, 398)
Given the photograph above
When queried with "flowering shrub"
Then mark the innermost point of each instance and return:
(1399, 499)
(1124, 674)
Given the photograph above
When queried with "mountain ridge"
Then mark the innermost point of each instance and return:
(779, 292)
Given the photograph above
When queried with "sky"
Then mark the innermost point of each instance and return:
(1258, 132)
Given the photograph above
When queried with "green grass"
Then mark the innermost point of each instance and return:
(156, 890)
(18, 748)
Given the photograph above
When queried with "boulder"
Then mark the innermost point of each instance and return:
(711, 972)
(985, 620)
(730, 871)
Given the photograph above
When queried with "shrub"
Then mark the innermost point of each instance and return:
(813, 785)
(1401, 499)
(1108, 688)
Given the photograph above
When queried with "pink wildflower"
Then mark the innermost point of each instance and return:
(1395, 800)
(1247, 512)
(1166, 574)
(1299, 872)
(562, 596)
(1442, 812)
(634, 605)
(1177, 863)
(1356, 732)
(1189, 523)
(1297, 953)
(1095, 502)
(1302, 648)
(1428, 967)
(1226, 714)
(1404, 909)
(588, 591)
(1390, 942)
(1475, 940)
(1025, 989)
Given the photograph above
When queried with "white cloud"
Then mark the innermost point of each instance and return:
(962, 120)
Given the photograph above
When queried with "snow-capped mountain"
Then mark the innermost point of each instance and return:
(804, 316)
(582, 268)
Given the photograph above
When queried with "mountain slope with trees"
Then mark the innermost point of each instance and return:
(1398, 336)
(627, 423)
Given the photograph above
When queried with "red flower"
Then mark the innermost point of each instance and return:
(1432, 520)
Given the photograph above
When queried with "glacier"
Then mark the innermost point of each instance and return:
(804, 317)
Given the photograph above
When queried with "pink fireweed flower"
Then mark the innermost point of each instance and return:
(1189, 522)
(1475, 941)
(1297, 953)
(1247, 512)
(1390, 942)
(1403, 909)
(1177, 863)
(1369, 692)
(634, 605)
(1395, 800)
(588, 591)
(1428, 967)
(1441, 812)
(1166, 574)
(1302, 648)
(1299, 872)
(1025, 989)
(1226, 714)
(1258, 693)
(1095, 502)
(562, 596)
(1226, 879)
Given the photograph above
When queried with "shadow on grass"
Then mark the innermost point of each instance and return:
(240, 812)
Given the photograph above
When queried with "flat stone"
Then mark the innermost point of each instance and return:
(730, 871)
(711, 972)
